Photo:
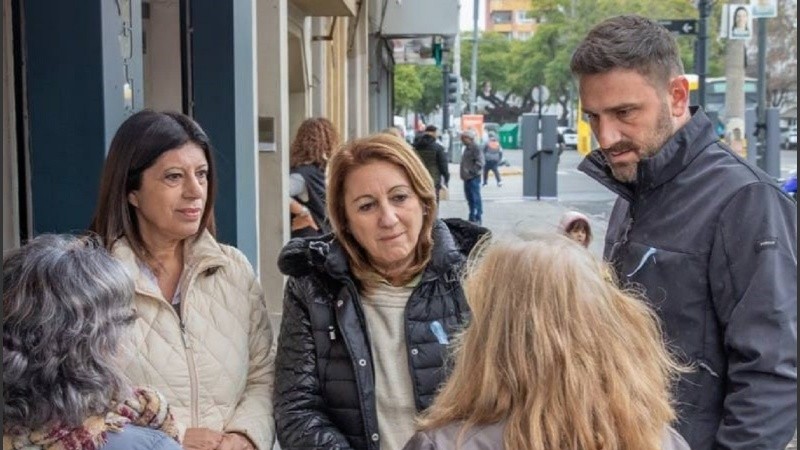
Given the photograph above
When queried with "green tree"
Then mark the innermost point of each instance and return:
(508, 70)
(431, 78)
(781, 55)
(566, 22)
(498, 75)
(407, 88)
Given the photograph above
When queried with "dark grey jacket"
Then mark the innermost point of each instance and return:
(472, 162)
(713, 241)
(434, 157)
(324, 375)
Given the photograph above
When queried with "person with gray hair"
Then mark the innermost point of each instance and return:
(708, 237)
(67, 303)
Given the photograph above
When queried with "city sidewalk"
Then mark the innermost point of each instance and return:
(507, 213)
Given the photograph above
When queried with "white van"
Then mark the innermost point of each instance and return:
(400, 123)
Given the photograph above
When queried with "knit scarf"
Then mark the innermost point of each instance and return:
(146, 408)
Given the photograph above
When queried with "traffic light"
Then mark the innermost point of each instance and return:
(451, 87)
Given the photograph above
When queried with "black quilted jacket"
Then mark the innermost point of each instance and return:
(324, 387)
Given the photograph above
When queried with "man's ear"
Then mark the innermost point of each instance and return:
(133, 199)
(678, 90)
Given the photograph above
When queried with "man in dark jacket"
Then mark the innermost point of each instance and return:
(470, 170)
(434, 157)
(710, 238)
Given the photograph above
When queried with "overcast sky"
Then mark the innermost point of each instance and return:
(466, 14)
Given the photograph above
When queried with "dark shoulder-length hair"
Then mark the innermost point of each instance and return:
(136, 146)
(316, 140)
(66, 306)
(396, 151)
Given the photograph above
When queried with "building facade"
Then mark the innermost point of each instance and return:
(249, 72)
(510, 17)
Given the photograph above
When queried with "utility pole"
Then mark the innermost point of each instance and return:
(457, 71)
(761, 125)
(701, 54)
(473, 94)
(734, 89)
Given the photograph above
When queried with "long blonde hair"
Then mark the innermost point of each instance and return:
(555, 349)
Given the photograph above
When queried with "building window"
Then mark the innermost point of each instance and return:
(524, 16)
(501, 17)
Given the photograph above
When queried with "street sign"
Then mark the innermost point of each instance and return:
(680, 26)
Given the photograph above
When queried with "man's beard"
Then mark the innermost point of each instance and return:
(627, 173)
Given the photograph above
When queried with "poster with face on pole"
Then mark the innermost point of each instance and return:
(737, 22)
(764, 8)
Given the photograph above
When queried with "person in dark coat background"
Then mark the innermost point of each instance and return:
(369, 310)
(433, 155)
(710, 238)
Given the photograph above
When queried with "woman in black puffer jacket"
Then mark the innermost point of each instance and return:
(369, 310)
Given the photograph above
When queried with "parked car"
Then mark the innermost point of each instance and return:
(789, 185)
(790, 139)
(569, 137)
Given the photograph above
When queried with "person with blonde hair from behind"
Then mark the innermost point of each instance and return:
(555, 357)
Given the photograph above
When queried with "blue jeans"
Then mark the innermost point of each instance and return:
(491, 166)
(472, 192)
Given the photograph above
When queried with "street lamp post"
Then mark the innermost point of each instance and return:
(702, 51)
(473, 99)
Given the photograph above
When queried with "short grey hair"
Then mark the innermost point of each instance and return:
(629, 42)
(66, 304)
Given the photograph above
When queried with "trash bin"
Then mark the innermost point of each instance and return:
(508, 135)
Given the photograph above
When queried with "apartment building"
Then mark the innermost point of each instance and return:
(510, 18)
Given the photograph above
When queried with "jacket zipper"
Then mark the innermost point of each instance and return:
(190, 361)
(188, 351)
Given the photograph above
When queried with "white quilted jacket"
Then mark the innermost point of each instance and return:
(218, 372)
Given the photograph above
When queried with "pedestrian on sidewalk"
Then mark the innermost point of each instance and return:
(576, 226)
(434, 157)
(492, 154)
(311, 149)
(600, 376)
(471, 169)
(369, 311)
(709, 237)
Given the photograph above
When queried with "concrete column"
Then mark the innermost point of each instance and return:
(11, 212)
(223, 87)
(380, 85)
(358, 79)
(82, 78)
(273, 166)
(319, 62)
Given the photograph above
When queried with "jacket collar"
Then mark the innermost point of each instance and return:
(453, 239)
(675, 155)
(199, 255)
